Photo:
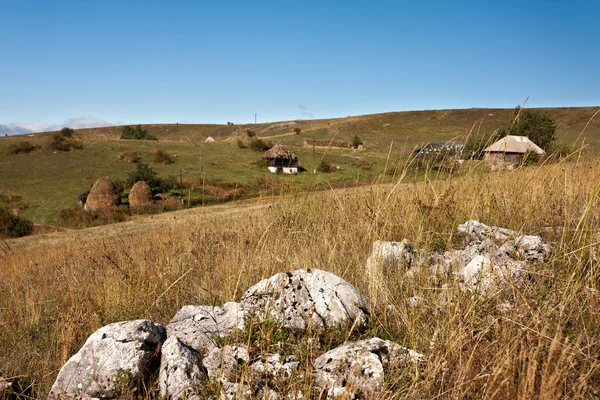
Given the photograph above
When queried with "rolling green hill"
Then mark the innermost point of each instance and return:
(49, 181)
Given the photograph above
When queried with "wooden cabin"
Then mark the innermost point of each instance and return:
(281, 160)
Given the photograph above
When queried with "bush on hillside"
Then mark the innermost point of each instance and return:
(241, 144)
(21, 147)
(137, 133)
(12, 225)
(325, 166)
(143, 172)
(129, 156)
(260, 145)
(77, 217)
(64, 140)
(250, 133)
(356, 141)
(297, 130)
(162, 157)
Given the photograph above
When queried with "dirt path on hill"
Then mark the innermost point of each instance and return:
(149, 223)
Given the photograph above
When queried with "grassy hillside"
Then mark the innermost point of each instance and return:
(49, 181)
(537, 339)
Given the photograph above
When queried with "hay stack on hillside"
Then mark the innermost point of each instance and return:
(103, 195)
(140, 195)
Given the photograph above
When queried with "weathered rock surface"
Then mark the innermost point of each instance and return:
(223, 364)
(299, 298)
(359, 366)
(390, 255)
(273, 368)
(235, 391)
(115, 357)
(181, 374)
(198, 326)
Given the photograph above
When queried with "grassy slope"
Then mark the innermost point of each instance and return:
(48, 181)
(543, 346)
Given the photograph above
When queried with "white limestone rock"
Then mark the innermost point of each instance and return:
(198, 326)
(181, 374)
(223, 364)
(299, 298)
(118, 356)
(359, 366)
(390, 255)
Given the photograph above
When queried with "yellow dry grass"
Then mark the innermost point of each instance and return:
(55, 293)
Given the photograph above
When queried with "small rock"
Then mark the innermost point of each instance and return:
(307, 297)
(359, 366)
(475, 231)
(532, 247)
(197, 326)
(235, 391)
(223, 364)
(116, 357)
(181, 374)
(272, 367)
(387, 255)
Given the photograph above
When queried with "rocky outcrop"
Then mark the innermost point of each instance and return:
(490, 259)
(359, 367)
(198, 326)
(181, 374)
(116, 358)
(304, 298)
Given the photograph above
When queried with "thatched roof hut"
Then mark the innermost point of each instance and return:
(140, 195)
(280, 159)
(280, 152)
(511, 149)
(103, 195)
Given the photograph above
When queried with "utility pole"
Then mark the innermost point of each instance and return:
(255, 119)
(314, 166)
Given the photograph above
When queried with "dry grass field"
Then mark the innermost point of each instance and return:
(57, 289)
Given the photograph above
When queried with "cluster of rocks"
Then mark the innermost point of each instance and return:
(187, 355)
(491, 258)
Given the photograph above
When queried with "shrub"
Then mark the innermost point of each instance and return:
(136, 133)
(531, 158)
(77, 217)
(324, 166)
(162, 157)
(297, 130)
(129, 156)
(64, 140)
(538, 127)
(21, 147)
(12, 225)
(262, 163)
(260, 145)
(241, 144)
(144, 173)
(362, 163)
(356, 141)
(250, 133)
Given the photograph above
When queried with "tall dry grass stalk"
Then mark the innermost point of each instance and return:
(538, 339)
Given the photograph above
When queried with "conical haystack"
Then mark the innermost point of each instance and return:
(103, 195)
(140, 195)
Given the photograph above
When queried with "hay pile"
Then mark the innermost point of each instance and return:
(103, 195)
(140, 195)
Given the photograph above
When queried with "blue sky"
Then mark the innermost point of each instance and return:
(87, 63)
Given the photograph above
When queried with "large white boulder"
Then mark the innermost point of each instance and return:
(199, 326)
(312, 297)
(359, 366)
(181, 374)
(117, 357)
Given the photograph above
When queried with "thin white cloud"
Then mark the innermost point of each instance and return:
(305, 112)
(16, 128)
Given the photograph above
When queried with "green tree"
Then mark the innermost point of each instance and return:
(137, 133)
(356, 141)
(537, 126)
